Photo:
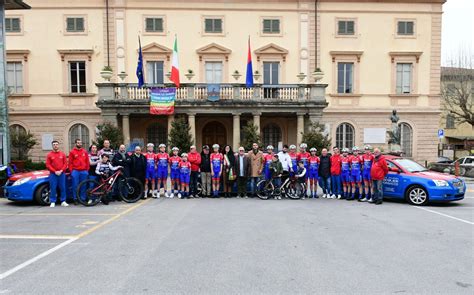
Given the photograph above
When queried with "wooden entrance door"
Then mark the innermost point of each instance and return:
(214, 132)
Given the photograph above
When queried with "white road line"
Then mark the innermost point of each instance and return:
(36, 237)
(445, 215)
(36, 258)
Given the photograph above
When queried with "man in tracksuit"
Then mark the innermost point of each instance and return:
(195, 159)
(336, 173)
(56, 163)
(79, 166)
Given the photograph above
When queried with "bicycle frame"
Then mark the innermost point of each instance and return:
(107, 184)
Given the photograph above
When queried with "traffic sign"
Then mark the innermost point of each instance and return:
(440, 133)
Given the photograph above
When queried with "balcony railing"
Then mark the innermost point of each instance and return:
(199, 92)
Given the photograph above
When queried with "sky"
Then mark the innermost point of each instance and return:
(457, 28)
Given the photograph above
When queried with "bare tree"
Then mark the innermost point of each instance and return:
(457, 84)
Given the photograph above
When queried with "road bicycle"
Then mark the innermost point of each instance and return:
(129, 189)
(290, 188)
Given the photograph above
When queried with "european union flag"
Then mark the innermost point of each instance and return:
(141, 79)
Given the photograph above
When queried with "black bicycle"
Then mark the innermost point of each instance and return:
(290, 188)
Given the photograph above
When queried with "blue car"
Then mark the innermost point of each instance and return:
(32, 186)
(417, 185)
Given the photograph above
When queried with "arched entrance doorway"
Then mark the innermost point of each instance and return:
(214, 132)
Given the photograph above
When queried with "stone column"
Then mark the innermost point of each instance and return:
(299, 128)
(236, 133)
(126, 128)
(256, 121)
(192, 125)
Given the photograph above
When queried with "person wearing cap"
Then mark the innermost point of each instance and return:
(184, 176)
(378, 171)
(294, 160)
(216, 168)
(138, 166)
(150, 171)
(174, 161)
(346, 173)
(356, 177)
(367, 159)
(205, 168)
(268, 158)
(313, 173)
(256, 167)
(242, 170)
(162, 159)
(325, 173)
(195, 159)
(336, 173)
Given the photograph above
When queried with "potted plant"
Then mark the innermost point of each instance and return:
(301, 76)
(122, 75)
(106, 73)
(236, 75)
(318, 74)
(256, 75)
(190, 74)
(21, 143)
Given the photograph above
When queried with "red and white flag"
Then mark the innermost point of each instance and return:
(175, 64)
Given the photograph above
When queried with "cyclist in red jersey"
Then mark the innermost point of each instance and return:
(174, 161)
(368, 159)
(356, 172)
(303, 156)
(150, 170)
(216, 166)
(294, 160)
(346, 173)
(162, 170)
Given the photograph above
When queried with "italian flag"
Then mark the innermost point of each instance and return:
(175, 64)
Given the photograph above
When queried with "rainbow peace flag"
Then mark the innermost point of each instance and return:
(162, 101)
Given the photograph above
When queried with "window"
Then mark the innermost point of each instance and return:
(213, 72)
(213, 25)
(77, 76)
(79, 131)
(450, 121)
(12, 25)
(405, 28)
(15, 77)
(406, 139)
(75, 24)
(451, 88)
(271, 135)
(157, 134)
(346, 27)
(154, 24)
(271, 73)
(271, 26)
(403, 78)
(16, 128)
(345, 135)
(154, 71)
(345, 77)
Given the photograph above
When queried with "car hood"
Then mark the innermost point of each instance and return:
(32, 175)
(435, 175)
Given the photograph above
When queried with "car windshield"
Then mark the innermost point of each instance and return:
(410, 166)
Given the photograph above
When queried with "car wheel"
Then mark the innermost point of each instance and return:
(417, 195)
(42, 194)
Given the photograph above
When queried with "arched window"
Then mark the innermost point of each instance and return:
(406, 139)
(16, 128)
(345, 136)
(157, 134)
(271, 135)
(79, 131)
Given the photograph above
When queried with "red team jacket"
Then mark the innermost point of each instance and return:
(379, 168)
(195, 160)
(79, 160)
(336, 162)
(56, 161)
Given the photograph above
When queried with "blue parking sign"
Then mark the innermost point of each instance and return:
(440, 133)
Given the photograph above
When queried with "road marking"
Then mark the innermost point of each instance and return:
(445, 215)
(58, 214)
(38, 237)
(69, 241)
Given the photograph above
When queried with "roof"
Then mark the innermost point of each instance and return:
(461, 137)
(16, 4)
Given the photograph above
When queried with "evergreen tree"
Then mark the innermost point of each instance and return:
(315, 138)
(111, 132)
(180, 135)
(249, 136)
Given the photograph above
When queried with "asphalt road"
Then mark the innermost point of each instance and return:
(245, 246)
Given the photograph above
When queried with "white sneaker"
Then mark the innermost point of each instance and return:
(179, 196)
(324, 196)
(364, 200)
(64, 204)
(339, 196)
(304, 197)
(146, 193)
(279, 198)
(333, 196)
(52, 205)
(171, 195)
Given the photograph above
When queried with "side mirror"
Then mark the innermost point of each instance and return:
(395, 169)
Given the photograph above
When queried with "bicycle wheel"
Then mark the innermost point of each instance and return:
(295, 191)
(130, 189)
(264, 189)
(93, 192)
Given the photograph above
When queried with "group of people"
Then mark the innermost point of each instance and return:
(344, 176)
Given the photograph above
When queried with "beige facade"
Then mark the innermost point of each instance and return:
(286, 37)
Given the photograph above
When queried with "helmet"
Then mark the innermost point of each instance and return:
(215, 146)
(270, 147)
(150, 145)
(175, 149)
(292, 147)
(312, 149)
(367, 147)
(345, 150)
(162, 145)
(303, 146)
(184, 155)
(355, 149)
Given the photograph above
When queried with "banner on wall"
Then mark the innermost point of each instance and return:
(213, 92)
(162, 101)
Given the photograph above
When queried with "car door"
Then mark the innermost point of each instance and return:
(393, 183)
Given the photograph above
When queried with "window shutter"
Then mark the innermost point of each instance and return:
(409, 28)
(276, 26)
(401, 28)
(70, 24)
(159, 24)
(79, 24)
(149, 24)
(350, 28)
(267, 26)
(208, 25)
(218, 25)
(15, 25)
(341, 27)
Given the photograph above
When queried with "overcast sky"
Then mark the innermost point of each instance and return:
(458, 28)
